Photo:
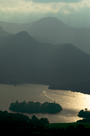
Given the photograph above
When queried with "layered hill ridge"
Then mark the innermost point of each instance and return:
(25, 60)
(52, 30)
(55, 29)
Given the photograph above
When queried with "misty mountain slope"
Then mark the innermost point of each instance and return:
(25, 60)
(3, 33)
(50, 29)
(44, 40)
(22, 56)
(30, 45)
(56, 30)
(80, 37)
(15, 57)
(15, 27)
(22, 41)
(68, 63)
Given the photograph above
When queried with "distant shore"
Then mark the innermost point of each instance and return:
(83, 87)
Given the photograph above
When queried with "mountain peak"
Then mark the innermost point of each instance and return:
(22, 33)
(49, 18)
(23, 37)
(52, 20)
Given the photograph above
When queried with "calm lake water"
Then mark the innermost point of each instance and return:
(71, 102)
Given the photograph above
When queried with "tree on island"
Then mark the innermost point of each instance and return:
(35, 107)
(85, 114)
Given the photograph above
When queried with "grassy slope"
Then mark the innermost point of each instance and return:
(65, 125)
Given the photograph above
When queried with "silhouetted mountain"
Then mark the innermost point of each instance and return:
(22, 58)
(25, 60)
(22, 38)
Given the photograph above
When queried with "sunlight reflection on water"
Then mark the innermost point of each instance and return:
(71, 102)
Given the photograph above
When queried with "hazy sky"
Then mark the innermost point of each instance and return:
(71, 12)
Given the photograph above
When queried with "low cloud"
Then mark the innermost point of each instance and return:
(75, 11)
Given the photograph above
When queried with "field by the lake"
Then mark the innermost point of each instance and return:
(66, 125)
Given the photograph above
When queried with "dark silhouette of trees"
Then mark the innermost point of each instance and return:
(35, 107)
(44, 120)
(13, 120)
(19, 124)
(85, 114)
(16, 120)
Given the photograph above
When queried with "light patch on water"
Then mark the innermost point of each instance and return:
(71, 102)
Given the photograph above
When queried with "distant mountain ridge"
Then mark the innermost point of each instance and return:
(55, 29)
(52, 30)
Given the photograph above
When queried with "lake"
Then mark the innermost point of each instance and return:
(71, 102)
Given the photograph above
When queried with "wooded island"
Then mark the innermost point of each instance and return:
(35, 107)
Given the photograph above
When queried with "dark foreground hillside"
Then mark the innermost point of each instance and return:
(79, 130)
(17, 124)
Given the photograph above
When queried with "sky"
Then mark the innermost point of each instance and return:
(74, 13)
